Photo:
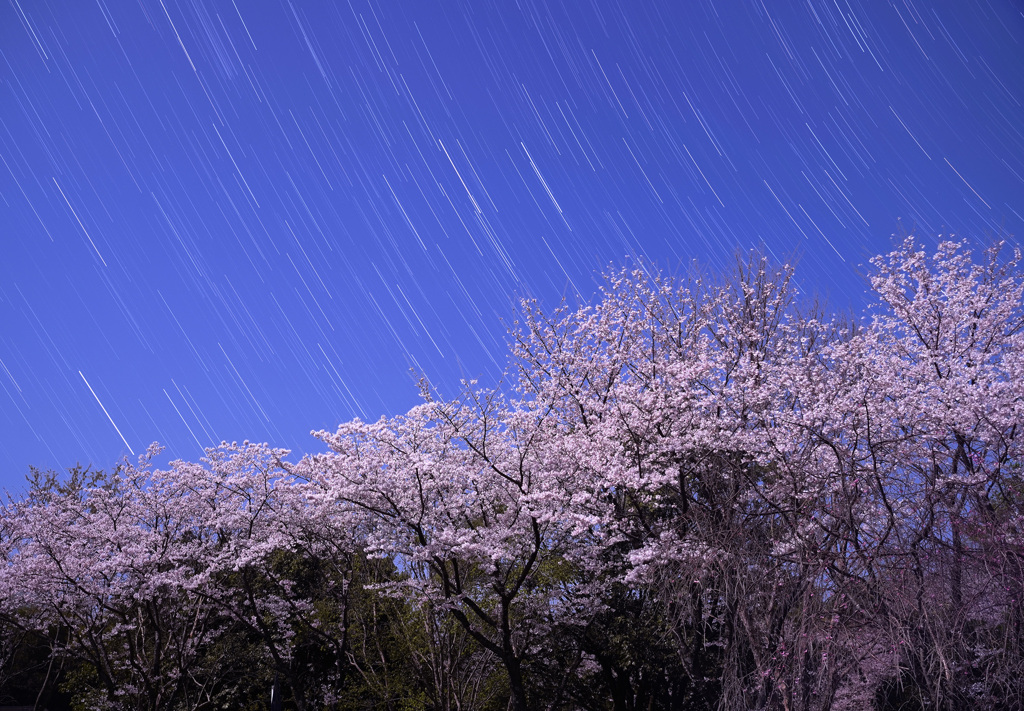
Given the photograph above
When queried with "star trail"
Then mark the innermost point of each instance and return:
(228, 220)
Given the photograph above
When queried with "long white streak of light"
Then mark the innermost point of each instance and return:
(966, 183)
(540, 177)
(187, 55)
(473, 199)
(107, 414)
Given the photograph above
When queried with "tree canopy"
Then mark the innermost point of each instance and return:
(698, 493)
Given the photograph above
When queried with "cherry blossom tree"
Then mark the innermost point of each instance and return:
(675, 412)
(924, 427)
(254, 558)
(90, 561)
(153, 577)
(452, 493)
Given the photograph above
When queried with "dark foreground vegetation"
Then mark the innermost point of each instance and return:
(695, 494)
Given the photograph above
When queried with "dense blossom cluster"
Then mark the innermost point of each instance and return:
(694, 494)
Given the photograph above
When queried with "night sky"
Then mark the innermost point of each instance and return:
(247, 219)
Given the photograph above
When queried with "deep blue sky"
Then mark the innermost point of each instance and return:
(247, 219)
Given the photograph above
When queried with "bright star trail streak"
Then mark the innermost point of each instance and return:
(106, 413)
(249, 220)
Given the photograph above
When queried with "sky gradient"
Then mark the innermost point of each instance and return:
(228, 220)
